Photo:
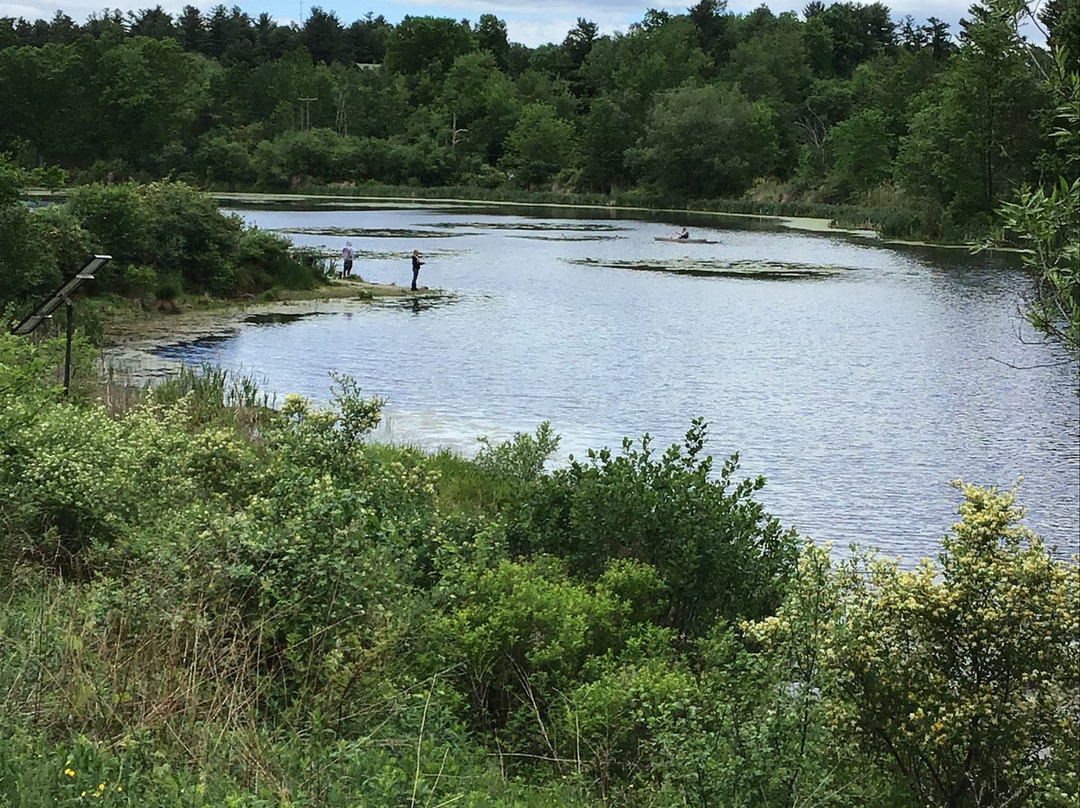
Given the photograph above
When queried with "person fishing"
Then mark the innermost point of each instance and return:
(416, 264)
(347, 260)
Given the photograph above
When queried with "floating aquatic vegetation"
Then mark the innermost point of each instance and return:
(362, 232)
(562, 238)
(383, 255)
(567, 226)
(755, 270)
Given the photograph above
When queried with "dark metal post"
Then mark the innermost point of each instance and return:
(63, 295)
(67, 356)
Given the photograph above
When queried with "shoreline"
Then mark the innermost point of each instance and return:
(131, 342)
(807, 224)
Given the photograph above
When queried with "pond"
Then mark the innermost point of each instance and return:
(859, 377)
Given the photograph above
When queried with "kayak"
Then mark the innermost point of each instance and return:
(685, 240)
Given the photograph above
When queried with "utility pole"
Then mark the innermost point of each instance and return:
(342, 121)
(454, 132)
(305, 113)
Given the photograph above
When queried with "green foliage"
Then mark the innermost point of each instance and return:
(480, 103)
(861, 153)
(150, 94)
(784, 732)
(959, 678)
(264, 259)
(26, 268)
(209, 602)
(717, 550)
(32, 370)
(430, 44)
(188, 235)
(706, 141)
(172, 232)
(117, 224)
(977, 132)
(520, 459)
(1046, 224)
(518, 639)
(682, 106)
(539, 146)
(616, 719)
(209, 395)
(76, 481)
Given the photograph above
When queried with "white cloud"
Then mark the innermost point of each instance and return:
(529, 23)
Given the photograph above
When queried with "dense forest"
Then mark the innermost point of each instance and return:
(841, 104)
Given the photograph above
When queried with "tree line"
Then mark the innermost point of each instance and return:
(838, 104)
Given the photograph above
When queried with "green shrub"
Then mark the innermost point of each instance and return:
(717, 551)
(521, 459)
(188, 234)
(613, 720)
(265, 259)
(139, 279)
(520, 637)
(118, 224)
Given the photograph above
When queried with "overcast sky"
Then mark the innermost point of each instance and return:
(530, 23)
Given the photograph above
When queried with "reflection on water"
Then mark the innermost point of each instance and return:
(417, 303)
(562, 226)
(277, 318)
(859, 395)
(185, 351)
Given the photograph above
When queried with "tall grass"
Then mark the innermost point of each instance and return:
(214, 394)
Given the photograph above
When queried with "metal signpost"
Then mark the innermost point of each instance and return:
(63, 295)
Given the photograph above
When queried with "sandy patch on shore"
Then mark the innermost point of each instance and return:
(812, 225)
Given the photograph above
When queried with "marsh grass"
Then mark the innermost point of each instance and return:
(214, 394)
(128, 696)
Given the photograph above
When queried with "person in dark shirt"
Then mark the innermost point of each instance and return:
(683, 234)
(416, 264)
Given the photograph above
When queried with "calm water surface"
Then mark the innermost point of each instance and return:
(858, 378)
